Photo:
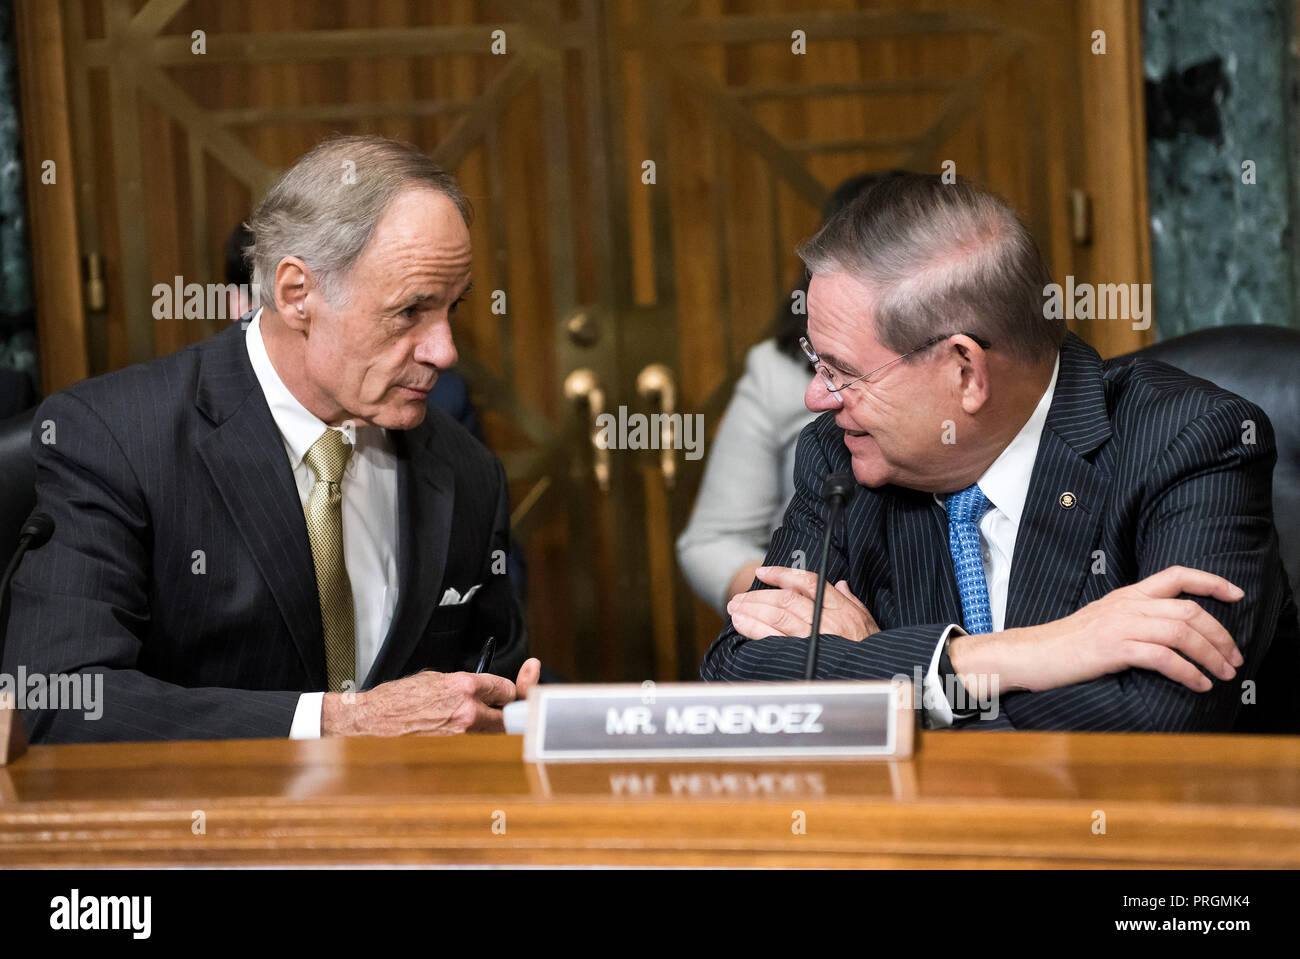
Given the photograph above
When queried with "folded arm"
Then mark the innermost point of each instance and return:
(1161, 652)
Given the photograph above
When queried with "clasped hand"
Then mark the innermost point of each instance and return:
(787, 609)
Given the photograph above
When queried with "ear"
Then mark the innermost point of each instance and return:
(293, 281)
(973, 369)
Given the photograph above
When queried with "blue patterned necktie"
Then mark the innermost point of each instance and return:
(964, 511)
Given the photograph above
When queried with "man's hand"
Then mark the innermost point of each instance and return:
(427, 703)
(529, 674)
(1135, 626)
(787, 610)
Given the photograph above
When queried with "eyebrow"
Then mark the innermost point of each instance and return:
(846, 368)
(417, 298)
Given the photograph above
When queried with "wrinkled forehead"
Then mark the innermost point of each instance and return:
(423, 220)
(840, 316)
(421, 239)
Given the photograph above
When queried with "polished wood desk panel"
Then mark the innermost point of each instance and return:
(966, 799)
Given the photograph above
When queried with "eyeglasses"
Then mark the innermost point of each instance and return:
(834, 379)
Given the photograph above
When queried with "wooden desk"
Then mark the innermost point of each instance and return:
(966, 799)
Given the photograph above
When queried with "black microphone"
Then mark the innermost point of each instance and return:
(35, 532)
(836, 492)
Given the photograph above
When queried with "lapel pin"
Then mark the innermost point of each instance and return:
(1068, 500)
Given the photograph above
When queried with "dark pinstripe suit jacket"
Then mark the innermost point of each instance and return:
(1162, 477)
(155, 462)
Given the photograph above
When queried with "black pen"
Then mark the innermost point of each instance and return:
(485, 658)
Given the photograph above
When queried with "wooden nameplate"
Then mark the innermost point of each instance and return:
(13, 736)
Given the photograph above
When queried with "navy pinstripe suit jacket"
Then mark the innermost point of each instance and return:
(1162, 477)
(154, 462)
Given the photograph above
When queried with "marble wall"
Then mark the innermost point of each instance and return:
(17, 317)
(1223, 109)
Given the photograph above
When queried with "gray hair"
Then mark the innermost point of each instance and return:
(941, 258)
(324, 210)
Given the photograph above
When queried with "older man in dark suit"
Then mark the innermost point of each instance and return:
(269, 533)
(1041, 540)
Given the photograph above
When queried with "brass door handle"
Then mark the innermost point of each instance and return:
(582, 329)
(657, 384)
(582, 388)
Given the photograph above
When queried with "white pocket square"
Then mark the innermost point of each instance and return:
(453, 597)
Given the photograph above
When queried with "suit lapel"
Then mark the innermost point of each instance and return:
(925, 586)
(245, 455)
(426, 496)
(1061, 522)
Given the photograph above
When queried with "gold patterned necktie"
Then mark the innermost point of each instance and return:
(328, 458)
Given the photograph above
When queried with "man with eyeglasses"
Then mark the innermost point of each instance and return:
(1093, 542)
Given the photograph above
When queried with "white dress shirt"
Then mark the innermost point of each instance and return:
(369, 491)
(1006, 485)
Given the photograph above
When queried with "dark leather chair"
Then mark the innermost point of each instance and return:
(17, 479)
(1262, 364)
(17, 393)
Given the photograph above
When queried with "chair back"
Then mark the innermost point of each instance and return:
(17, 479)
(1260, 363)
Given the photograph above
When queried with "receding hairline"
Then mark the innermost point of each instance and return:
(306, 213)
(413, 188)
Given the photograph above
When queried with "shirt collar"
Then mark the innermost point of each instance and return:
(1006, 481)
(299, 427)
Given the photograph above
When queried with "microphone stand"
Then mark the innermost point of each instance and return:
(836, 492)
(35, 532)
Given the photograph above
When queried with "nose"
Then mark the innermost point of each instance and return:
(437, 347)
(818, 398)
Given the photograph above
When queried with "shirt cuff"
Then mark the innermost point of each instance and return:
(306, 718)
(937, 708)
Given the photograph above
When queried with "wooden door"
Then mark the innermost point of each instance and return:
(640, 172)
